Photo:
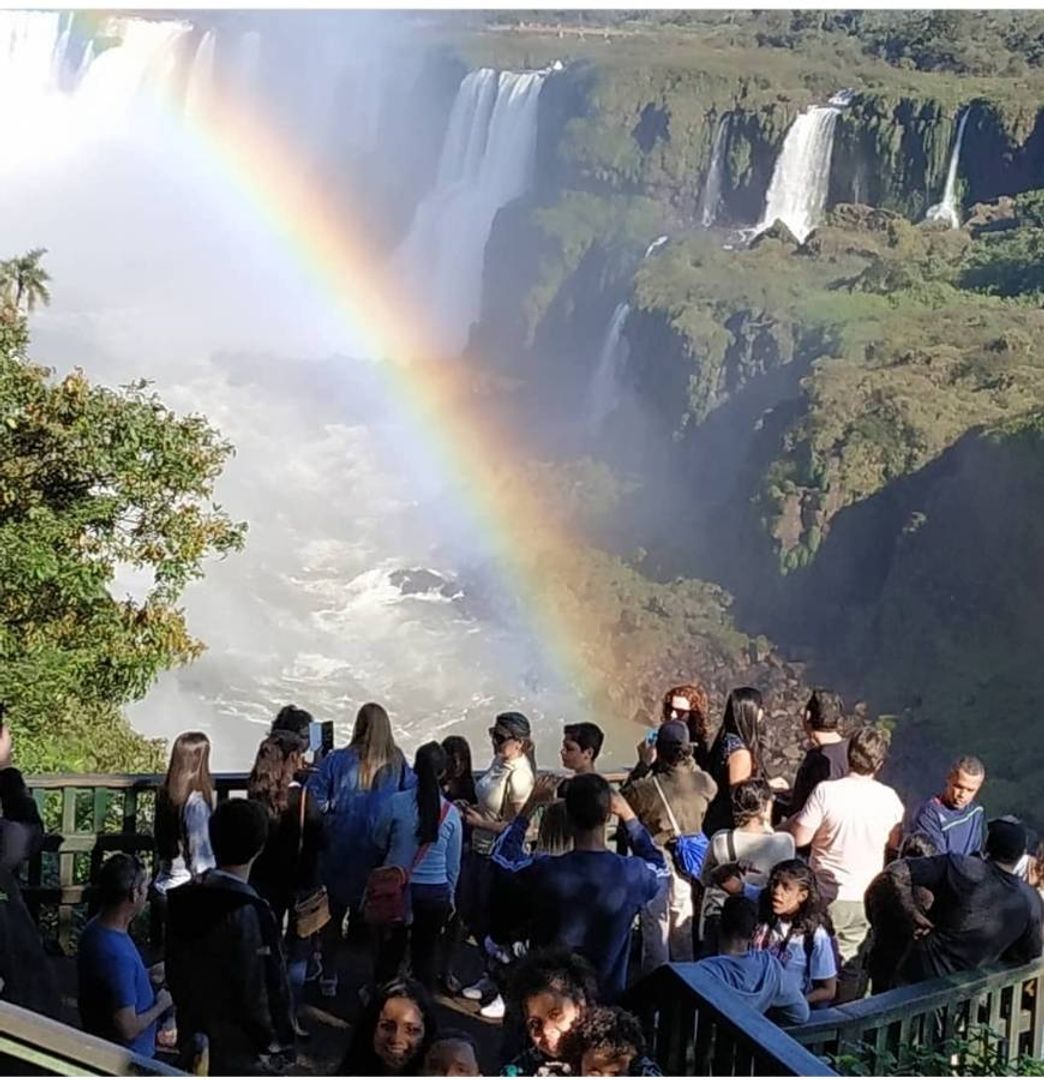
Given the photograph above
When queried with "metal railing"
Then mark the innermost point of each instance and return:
(889, 1030)
(86, 816)
(698, 1027)
(35, 1045)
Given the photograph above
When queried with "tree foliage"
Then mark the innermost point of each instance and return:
(94, 482)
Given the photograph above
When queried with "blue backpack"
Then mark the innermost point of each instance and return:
(688, 851)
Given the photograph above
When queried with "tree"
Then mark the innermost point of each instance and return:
(24, 281)
(93, 480)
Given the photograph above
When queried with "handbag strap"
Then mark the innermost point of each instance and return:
(423, 849)
(667, 806)
(301, 820)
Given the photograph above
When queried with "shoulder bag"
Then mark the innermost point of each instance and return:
(384, 902)
(688, 851)
(312, 911)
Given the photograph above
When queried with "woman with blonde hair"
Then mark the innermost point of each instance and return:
(183, 805)
(350, 789)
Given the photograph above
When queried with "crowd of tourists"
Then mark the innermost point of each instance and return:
(361, 868)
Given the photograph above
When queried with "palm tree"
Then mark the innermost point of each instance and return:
(23, 281)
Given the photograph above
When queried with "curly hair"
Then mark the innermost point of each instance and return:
(555, 970)
(697, 698)
(609, 1029)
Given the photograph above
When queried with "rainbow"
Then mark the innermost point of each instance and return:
(536, 555)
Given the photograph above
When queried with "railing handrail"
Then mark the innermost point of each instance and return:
(768, 1041)
(924, 996)
(66, 1051)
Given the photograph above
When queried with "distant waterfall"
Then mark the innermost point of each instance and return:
(948, 210)
(712, 186)
(800, 183)
(486, 162)
(604, 395)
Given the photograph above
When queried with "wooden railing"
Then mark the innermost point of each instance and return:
(85, 817)
(698, 1027)
(892, 1029)
(34, 1045)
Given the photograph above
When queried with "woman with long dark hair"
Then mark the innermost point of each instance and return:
(287, 870)
(184, 802)
(458, 785)
(736, 753)
(420, 831)
(350, 788)
(393, 1032)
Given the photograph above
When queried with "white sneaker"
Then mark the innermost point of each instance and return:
(494, 1010)
(477, 991)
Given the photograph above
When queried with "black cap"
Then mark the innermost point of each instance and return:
(673, 733)
(1006, 839)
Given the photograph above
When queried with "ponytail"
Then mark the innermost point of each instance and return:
(430, 766)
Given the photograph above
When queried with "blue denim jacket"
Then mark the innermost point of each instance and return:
(350, 815)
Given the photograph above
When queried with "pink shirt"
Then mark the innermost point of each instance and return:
(851, 820)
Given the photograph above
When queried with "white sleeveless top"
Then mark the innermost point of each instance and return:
(504, 783)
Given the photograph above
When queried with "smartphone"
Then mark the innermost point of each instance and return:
(321, 737)
(650, 736)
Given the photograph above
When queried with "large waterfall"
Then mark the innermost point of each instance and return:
(948, 210)
(355, 583)
(713, 184)
(800, 182)
(487, 161)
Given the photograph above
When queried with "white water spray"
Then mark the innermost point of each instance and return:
(948, 210)
(604, 395)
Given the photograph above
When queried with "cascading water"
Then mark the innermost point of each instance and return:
(948, 210)
(486, 162)
(711, 199)
(163, 270)
(800, 182)
(604, 394)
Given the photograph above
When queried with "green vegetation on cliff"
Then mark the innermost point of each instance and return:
(95, 484)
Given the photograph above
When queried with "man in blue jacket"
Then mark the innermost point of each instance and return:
(587, 898)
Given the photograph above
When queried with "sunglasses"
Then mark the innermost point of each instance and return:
(499, 736)
(678, 714)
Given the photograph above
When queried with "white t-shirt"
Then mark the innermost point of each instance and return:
(762, 849)
(851, 819)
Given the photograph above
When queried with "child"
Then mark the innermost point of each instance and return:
(609, 1042)
(551, 991)
(453, 1053)
(792, 924)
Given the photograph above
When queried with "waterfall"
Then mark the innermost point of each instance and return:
(486, 162)
(604, 395)
(712, 186)
(201, 76)
(800, 182)
(948, 210)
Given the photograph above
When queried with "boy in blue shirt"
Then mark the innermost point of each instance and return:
(116, 996)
